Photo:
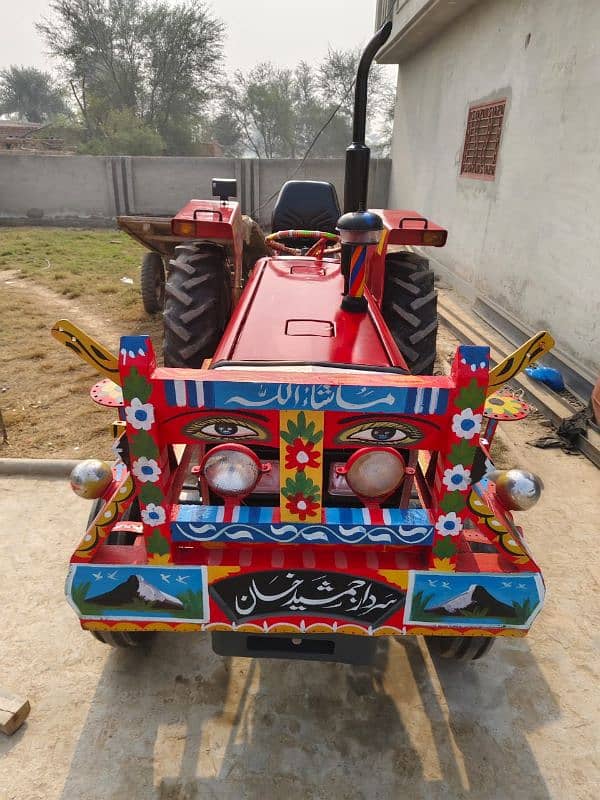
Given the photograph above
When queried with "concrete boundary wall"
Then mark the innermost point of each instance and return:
(93, 190)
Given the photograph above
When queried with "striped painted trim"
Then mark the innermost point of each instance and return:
(253, 524)
(357, 271)
(185, 394)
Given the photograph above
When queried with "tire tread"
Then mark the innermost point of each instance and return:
(410, 309)
(197, 306)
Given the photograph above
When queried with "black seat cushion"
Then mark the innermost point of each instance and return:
(306, 205)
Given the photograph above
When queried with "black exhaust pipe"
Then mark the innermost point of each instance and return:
(357, 155)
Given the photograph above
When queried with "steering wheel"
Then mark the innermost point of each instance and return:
(321, 238)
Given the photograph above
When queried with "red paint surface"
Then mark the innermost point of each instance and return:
(408, 227)
(206, 219)
(280, 292)
(260, 556)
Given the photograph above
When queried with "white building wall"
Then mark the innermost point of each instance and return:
(530, 239)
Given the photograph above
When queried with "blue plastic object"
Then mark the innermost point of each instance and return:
(547, 375)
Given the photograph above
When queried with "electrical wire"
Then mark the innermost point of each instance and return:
(256, 211)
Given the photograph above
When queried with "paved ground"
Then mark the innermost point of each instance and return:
(185, 724)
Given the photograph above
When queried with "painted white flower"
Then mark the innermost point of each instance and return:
(457, 478)
(448, 524)
(140, 415)
(146, 469)
(466, 424)
(153, 514)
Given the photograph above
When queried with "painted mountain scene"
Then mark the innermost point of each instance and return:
(479, 599)
(138, 592)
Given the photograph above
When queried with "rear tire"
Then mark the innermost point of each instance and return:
(124, 638)
(410, 309)
(460, 648)
(152, 282)
(197, 304)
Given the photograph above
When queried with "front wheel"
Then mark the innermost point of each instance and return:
(460, 648)
(152, 282)
(124, 638)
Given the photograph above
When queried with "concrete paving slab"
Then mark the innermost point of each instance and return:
(181, 723)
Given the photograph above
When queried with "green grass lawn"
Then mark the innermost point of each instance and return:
(75, 263)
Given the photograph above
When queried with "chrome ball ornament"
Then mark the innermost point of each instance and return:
(91, 478)
(517, 489)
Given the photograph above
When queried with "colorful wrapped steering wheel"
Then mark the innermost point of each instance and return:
(321, 238)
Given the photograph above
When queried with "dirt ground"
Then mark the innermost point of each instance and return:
(51, 274)
(181, 723)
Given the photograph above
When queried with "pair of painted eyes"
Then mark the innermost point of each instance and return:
(380, 432)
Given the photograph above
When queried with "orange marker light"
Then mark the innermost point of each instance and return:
(184, 228)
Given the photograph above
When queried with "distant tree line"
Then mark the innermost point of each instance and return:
(147, 77)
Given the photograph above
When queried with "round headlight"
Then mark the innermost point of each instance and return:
(374, 472)
(231, 470)
(517, 489)
(91, 478)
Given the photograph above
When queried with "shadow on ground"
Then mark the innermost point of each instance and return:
(184, 724)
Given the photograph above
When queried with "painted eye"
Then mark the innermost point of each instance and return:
(383, 431)
(224, 428)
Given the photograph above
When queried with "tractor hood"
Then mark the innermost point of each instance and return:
(290, 312)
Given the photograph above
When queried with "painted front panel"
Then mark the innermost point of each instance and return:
(304, 396)
(138, 593)
(301, 466)
(470, 600)
(312, 593)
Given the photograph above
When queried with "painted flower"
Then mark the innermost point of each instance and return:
(457, 478)
(140, 415)
(300, 455)
(504, 404)
(153, 514)
(302, 506)
(444, 564)
(448, 524)
(146, 469)
(466, 424)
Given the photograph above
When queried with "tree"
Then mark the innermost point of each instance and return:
(30, 93)
(157, 60)
(222, 127)
(261, 103)
(124, 134)
(281, 113)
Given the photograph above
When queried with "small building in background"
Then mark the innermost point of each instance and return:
(27, 136)
(497, 137)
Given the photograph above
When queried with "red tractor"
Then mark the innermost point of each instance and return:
(295, 480)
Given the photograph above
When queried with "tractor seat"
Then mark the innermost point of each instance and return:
(306, 205)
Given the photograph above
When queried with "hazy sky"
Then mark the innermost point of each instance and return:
(281, 31)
